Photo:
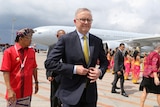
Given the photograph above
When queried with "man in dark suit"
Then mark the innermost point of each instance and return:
(54, 78)
(118, 70)
(79, 73)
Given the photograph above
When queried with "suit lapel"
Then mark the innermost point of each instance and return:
(79, 47)
(91, 48)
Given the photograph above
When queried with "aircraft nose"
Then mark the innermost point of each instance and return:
(44, 36)
(35, 34)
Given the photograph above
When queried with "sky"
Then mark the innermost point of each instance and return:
(141, 16)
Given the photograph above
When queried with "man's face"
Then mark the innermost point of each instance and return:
(26, 40)
(60, 33)
(122, 47)
(83, 22)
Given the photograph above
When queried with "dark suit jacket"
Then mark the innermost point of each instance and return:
(50, 73)
(68, 48)
(118, 61)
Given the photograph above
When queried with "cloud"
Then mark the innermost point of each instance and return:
(124, 15)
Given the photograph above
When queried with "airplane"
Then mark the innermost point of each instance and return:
(46, 35)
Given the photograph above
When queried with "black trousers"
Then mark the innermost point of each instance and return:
(55, 102)
(82, 102)
(116, 77)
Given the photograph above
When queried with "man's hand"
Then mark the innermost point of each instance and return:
(93, 74)
(11, 96)
(80, 70)
(119, 73)
(50, 78)
(36, 88)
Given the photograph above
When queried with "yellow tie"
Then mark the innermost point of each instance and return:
(85, 49)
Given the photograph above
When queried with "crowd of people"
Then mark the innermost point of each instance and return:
(71, 67)
(134, 63)
(128, 64)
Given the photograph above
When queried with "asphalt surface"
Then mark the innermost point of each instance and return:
(105, 97)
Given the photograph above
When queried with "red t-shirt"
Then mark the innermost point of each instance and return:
(20, 79)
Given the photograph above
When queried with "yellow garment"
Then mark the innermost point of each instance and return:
(137, 63)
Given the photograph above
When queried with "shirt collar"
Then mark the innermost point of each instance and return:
(120, 50)
(81, 35)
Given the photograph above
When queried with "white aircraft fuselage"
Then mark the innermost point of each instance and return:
(46, 35)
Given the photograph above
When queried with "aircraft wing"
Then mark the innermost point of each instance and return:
(140, 41)
(144, 41)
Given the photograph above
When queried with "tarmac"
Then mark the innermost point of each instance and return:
(105, 97)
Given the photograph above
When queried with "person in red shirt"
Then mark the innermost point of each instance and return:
(18, 67)
(151, 76)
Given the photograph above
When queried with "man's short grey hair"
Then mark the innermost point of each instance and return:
(80, 10)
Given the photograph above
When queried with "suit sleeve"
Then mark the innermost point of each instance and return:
(103, 61)
(54, 63)
(50, 73)
(116, 62)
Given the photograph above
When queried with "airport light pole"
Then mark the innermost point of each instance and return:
(12, 35)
